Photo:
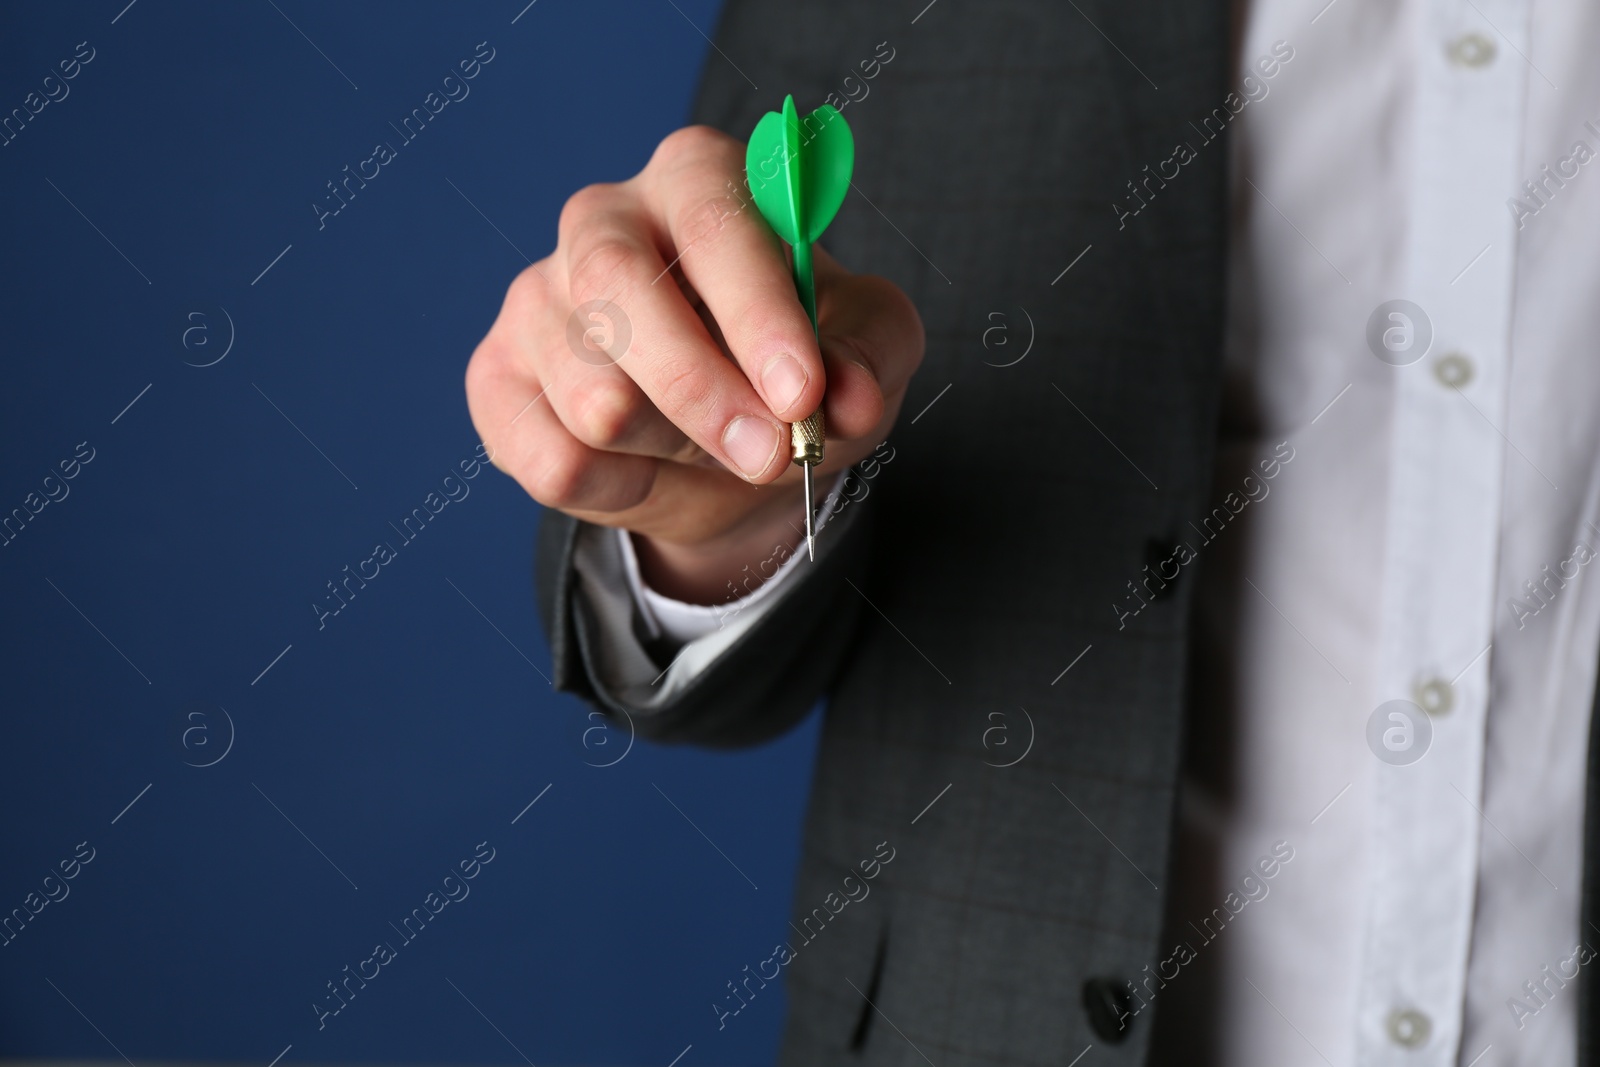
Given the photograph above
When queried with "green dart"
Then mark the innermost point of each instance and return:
(799, 171)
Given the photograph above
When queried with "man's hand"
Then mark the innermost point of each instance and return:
(682, 436)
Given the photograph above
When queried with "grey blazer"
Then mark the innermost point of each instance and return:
(1016, 511)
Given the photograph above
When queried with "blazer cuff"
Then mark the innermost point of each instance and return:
(739, 687)
(646, 648)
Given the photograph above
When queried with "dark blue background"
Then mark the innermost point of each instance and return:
(416, 724)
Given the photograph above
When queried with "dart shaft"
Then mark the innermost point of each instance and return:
(805, 280)
(807, 436)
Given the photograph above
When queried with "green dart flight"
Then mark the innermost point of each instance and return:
(799, 171)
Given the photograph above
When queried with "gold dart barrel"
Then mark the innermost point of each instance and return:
(806, 437)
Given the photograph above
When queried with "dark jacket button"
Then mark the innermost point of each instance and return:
(1109, 1008)
(1159, 563)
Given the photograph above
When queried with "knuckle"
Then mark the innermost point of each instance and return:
(703, 218)
(527, 289)
(492, 364)
(778, 324)
(558, 475)
(605, 411)
(584, 205)
(604, 269)
(688, 394)
(479, 371)
(690, 144)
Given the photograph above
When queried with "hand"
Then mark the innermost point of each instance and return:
(682, 436)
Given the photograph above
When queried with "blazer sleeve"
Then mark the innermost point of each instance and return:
(767, 679)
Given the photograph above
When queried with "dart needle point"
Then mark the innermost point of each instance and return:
(811, 532)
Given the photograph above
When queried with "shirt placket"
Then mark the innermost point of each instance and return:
(1442, 533)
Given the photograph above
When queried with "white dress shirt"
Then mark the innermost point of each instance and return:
(1392, 558)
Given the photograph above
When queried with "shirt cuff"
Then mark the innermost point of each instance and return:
(629, 614)
(680, 623)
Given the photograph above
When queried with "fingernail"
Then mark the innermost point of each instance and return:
(751, 443)
(783, 381)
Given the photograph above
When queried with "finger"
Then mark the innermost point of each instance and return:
(696, 189)
(872, 341)
(855, 403)
(527, 441)
(604, 408)
(574, 357)
(722, 500)
(610, 255)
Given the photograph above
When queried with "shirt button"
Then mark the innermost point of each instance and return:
(1453, 370)
(1436, 696)
(1471, 50)
(1409, 1028)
